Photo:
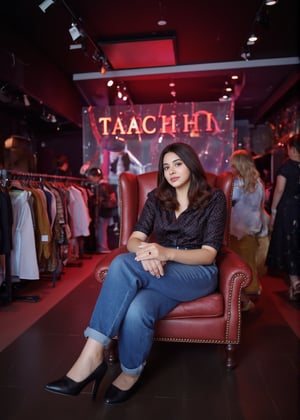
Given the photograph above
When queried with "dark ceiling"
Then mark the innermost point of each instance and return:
(198, 49)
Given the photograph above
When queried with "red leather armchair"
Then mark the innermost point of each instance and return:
(212, 319)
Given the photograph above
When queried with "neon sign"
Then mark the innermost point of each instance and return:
(197, 122)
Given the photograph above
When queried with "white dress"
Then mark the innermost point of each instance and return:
(79, 213)
(23, 255)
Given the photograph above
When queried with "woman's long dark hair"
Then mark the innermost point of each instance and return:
(199, 192)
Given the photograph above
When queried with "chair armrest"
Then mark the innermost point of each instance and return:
(102, 266)
(234, 275)
(231, 265)
(233, 271)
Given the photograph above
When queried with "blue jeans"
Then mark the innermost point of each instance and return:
(132, 300)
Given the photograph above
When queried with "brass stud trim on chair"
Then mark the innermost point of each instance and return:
(194, 340)
(229, 305)
(101, 276)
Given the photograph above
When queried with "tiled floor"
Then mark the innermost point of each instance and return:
(15, 318)
(182, 381)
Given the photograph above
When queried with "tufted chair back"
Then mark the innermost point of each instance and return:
(134, 190)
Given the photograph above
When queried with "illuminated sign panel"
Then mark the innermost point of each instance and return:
(140, 132)
(151, 124)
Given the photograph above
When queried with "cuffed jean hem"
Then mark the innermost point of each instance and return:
(97, 336)
(133, 372)
(103, 339)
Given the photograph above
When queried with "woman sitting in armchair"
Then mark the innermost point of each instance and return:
(142, 286)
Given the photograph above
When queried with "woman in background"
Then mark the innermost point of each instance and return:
(248, 217)
(62, 166)
(284, 249)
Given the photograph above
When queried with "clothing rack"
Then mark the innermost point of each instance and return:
(7, 175)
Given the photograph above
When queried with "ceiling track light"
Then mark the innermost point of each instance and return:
(52, 118)
(75, 46)
(271, 2)
(104, 65)
(225, 98)
(103, 69)
(252, 38)
(74, 32)
(125, 94)
(230, 86)
(77, 32)
(162, 21)
(245, 55)
(79, 45)
(26, 100)
(227, 91)
(98, 57)
(48, 117)
(262, 18)
(122, 93)
(119, 92)
(45, 4)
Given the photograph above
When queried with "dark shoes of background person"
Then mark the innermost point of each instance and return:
(247, 306)
(294, 292)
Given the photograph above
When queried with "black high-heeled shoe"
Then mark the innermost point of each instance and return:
(67, 386)
(114, 395)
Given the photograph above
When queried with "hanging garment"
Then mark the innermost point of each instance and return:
(6, 220)
(43, 234)
(24, 263)
(79, 214)
(51, 205)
